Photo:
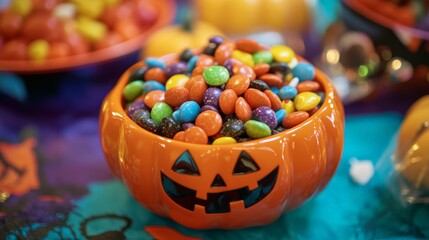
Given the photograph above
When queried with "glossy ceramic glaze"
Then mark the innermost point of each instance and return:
(294, 165)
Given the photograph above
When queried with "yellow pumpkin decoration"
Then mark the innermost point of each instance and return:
(244, 16)
(413, 145)
(176, 38)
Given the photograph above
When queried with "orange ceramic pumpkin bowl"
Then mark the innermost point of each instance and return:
(287, 168)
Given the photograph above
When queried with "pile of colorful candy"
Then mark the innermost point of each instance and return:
(41, 29)
(230, 92)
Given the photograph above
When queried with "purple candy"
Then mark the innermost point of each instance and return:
(208, 107)
(177, 68)
(228, 65)
(137, 105)
(216, 40)
(211, 97)
(266, 115)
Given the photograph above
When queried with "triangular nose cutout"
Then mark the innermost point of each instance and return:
(218, 182)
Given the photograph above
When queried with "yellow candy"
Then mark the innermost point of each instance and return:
(111, 2)
(178, 80)
(92, 9)
(245, 58)
(21, 7)
(288, 106)
(38, 50)
(224, 140)
(282, 53)
(306, 101)
(90, 29)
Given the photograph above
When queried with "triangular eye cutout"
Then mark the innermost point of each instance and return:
(245, 164)
(185, 165)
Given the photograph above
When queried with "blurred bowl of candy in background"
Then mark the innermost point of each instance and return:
(378, 46)
(50, 49)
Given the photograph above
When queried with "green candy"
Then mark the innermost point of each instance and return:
(133, 90)
(216, 75)
(256, 129)
(159, 111)
(263, 57)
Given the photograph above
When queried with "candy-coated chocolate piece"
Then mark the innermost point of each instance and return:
(159, 111)
(152, 85)
(266, 115)
(153, 97)
(90, 29)
(288, 106)
(178, 80)
(156, 74)
(154, 62)
(308, 86)
(169, 127)
(287, 92)
(272, 80)
(275, 100)
(263, 57)
(233, 128)
(280, 115)
(306, 101)
(304, 71)
(224, 140)
(261, 68)
(197, 91)
(245, 58)
(256, 98)
(242, 109)
(133, 90)
(247, 45)
(282, 53)
(38, 50)
(195, 135)
(239, 83)
(211, 96)
(295, 118)
(176, 96)
(256, 129)
(188, 111)
(216, 75)
(210, 121)
(227, 101)
(224, 51)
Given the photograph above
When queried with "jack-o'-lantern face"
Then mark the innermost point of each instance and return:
(222, 190)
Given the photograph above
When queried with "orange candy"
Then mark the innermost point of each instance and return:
(192, 80)
(247, 45)
(271, 79)
(205, 60)
(127, 28)
(224, 51)
(180, 136)
(227, 101)
(197, 91)
(176, 96)
(77, 44)
(245, 70)
(198, 70)
(295, 118)
(239, 83)
(10, 24)
(308, 86)
(109, 40)
(261, 68)
(156, 74)
(152, 97)
(210, 121)
(14, 50)
(42, 25)
(59, 50)
(242, 109)
(195, 135)
(256, 98)
(276, 102)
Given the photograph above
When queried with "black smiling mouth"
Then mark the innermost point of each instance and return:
(219, 202)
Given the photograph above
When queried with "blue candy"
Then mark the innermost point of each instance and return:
(154, 62)
(275, 90)
(192, 62)
(189, 111)
(304, 71)
(176, 115)
(287, 92)
(151, 86)
(280, 114)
